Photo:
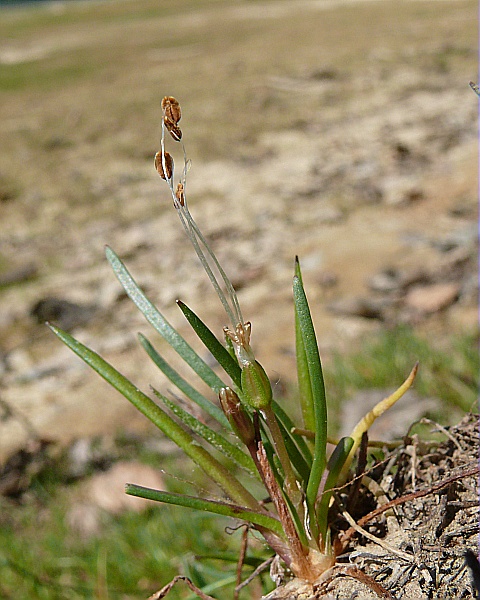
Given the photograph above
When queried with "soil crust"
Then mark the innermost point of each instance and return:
(416, 549)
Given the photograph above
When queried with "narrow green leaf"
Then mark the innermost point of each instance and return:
(158, 321)
(295, 456)
(209, 407)
(335, 465)
(212, 437)
(289, 426)
(219, 352)
(303, 374)
(318, 389)
(212, 467)
(219, 508)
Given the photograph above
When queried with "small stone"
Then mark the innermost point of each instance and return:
(67, 315)
(358, 307)
(107, 490)
(432, 298)
(385, 281)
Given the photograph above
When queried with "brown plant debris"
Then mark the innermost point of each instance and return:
(433, 493)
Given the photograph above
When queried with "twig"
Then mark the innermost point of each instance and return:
(407, 498)
(354, 572)
(164, 591)
(255, 573)
(445, 431)
(385, 545)
(241, 559)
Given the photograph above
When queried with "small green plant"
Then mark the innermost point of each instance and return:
(289, 459)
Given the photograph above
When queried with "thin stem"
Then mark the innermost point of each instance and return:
(291, 486)
(228, 284)
(194, 234)
(198, 240)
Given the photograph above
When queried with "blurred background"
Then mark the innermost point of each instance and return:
(341, 132)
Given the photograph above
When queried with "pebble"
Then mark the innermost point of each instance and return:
(430, 299)
(105, 492)
(63, 313)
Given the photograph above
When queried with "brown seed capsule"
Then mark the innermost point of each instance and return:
(167, 160)
(237, 416)
(171, 109)
(180, 194)
(173, 129)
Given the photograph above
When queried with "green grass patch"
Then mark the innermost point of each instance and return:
(449, 373)
(43, 74)
(131, 557)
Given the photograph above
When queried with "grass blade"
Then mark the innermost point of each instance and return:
(314, 366)
(296, 457)
(212, 437)
(335, 465)
(219, 352)
(158, 321)
(212, 467)
(303, 374)
(219, 508)
(288, 424)
(209, 407)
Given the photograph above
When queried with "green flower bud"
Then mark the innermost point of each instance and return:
(237, 416)
(256, 386)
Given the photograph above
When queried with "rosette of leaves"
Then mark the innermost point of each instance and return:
(289, 458)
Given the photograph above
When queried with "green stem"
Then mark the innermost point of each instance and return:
(291, 487)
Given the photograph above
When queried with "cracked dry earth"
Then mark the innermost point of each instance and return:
(415, 550)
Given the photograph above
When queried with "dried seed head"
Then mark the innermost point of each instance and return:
(180, 194)
(164, 160)
(171, 109)
(172, 113)
(173, 129)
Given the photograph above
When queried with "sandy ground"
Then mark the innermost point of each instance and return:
(344, 132)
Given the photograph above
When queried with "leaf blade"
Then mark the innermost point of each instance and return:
(219, 352)
(303, 375)
(209, 407)
(212, 467)
(160, 324)
(335, 465)
(209, 435)
(314, 366)
(216, 507)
